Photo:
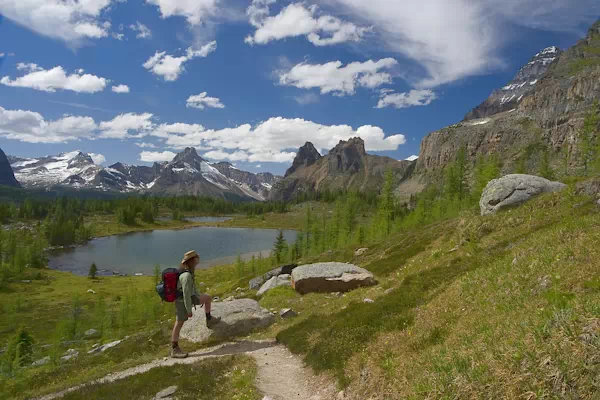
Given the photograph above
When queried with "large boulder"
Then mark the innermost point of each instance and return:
(238, 318)
(257, 282)
(276, 281)
(330, 277)
(515, 189)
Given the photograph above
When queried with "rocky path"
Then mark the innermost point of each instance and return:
(281, 375)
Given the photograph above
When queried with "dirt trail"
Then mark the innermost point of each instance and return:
(281, 375)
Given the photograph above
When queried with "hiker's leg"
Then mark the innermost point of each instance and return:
(206, 300)
(176, 329)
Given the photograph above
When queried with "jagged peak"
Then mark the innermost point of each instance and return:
(189, 154)
(307, 155)
(353, 143)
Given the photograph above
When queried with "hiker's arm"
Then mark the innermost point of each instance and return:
(187, 286)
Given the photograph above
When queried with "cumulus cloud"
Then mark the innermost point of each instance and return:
(308, 98)
(195, 11)
(97, 158)
(413, 98)
(126, 125)
(274, 140)
(120, 89)
(169, 67)
(299, 20)
(73, 21)
(142, 31)
(202, 101)
(56, 79)
(335, 78)
(157, 156)
(31, 127)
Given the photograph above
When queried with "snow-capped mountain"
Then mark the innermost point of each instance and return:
(260, 183)
(187, 173)
(509, 96)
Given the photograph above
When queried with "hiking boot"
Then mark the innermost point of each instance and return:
(176, 352)
(212, 322)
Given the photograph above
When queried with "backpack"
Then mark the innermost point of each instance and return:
(167, 288)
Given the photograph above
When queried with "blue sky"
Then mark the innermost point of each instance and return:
(259, 78)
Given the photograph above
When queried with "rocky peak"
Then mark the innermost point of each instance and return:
(347, 156)
(509, 96)
(7, 176)
(189, 155)
(307, 155)
(80, 160)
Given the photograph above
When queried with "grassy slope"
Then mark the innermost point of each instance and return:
(477, 307)
(513, 312)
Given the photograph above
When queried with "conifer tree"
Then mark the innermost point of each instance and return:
(93, 271)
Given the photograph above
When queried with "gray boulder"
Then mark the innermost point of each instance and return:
(257, 282)
(287, 313)
(515, 189)
(330, 277)
(91, 333)
(238, 318)
(276, 281)
(41, 361)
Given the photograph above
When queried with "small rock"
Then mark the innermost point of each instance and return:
(139, 274)
(276, 281)
(514, 261)
(41, 361)
(360, 252)
(103, 348)
(216, 298)
(91, 291)
(388, 291)
(452, 250)
(26, 281)
(230, 298)
(368, 301)
(91, 332)
(168, 392)
(340, 396)
(287, 313)
(70, 354)
(238, 289)
(598, 203)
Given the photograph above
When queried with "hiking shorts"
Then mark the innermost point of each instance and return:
(180, 311)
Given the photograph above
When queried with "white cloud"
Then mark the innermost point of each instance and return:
(195, 11)
(169, 67)
(274, 140)
(142, 31)
(412, 158)
(118, 36)
(299, 20)
(258, 166)
(126, 125)
(332, 77)
(202, 100)
(1, 55)
(157, 156)
(145, 145)
(56, 78)
(72, 21)
(404, 100)
(120, 89)
(31, 127)
(454, 39)
(97, 158)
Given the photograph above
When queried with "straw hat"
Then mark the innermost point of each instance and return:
(189, 255)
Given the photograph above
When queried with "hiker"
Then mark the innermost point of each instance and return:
(189, 298)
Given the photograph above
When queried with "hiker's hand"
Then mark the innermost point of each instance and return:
(190, 315)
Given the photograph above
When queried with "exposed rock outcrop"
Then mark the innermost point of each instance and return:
(513, 190)
(256, 283)
(259, 185)
(276, 281)
(238, 318)
(307, 155)
(330, 277)
(346, 167)
(7, 176)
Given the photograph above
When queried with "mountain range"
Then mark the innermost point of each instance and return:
(541, 111)
(187, 173)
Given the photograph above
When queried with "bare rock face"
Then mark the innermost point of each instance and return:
(512, 190)
(307, 155)
(7, 176)
(330, 277)
(276, 281)
(238, 318)
(509, 96)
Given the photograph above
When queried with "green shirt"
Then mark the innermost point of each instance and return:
(187, 286)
